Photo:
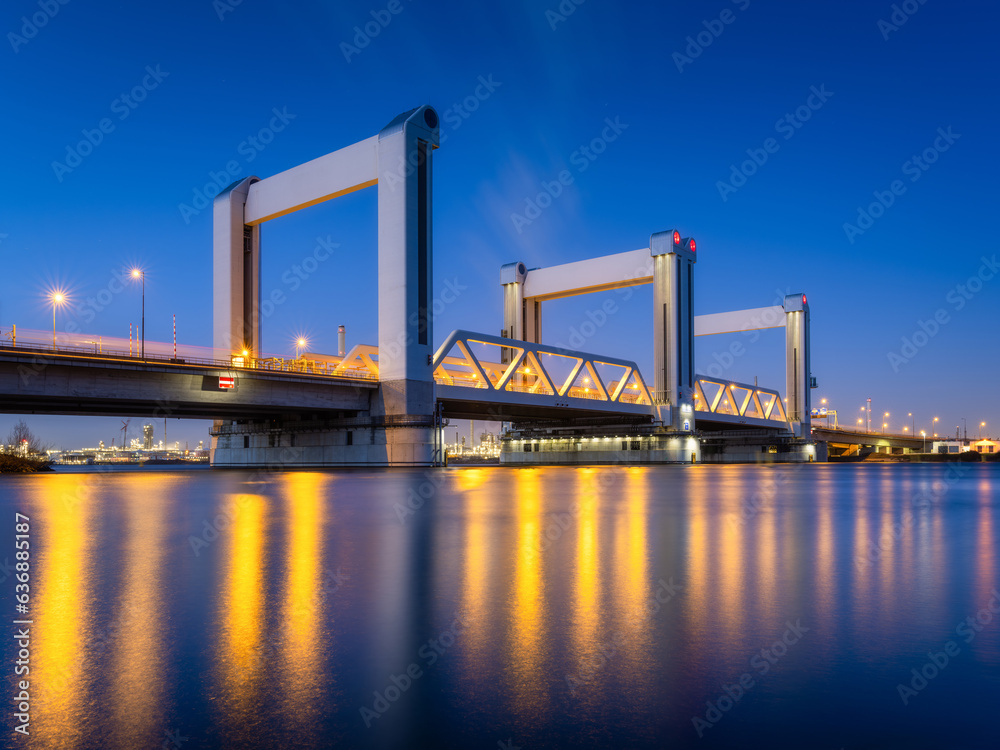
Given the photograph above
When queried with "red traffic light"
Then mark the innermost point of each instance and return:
(677, 237)
(691, 246)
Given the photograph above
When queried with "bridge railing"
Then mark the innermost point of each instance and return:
(738, 399)
(494, 363)
(315, 367)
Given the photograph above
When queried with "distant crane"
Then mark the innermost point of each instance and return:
(125, 423)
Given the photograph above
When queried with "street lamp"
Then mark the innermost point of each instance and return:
(981, 426)
(883, 422)
(935, 424)
(138, 273)
(300, 343)
(913, 429)
(57, 300)
(923, 434)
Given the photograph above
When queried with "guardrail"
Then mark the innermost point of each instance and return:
(271, 364)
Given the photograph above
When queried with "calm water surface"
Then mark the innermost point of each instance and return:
(771, 607)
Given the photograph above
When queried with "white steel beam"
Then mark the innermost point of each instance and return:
(330, 176)
(757, 319)
(585, 276)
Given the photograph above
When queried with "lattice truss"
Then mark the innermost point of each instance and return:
(738, 399)
(474, 360)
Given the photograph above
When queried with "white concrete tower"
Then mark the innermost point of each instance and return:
(405, 252)
(798, 380)
(236, 285)
(673, 327)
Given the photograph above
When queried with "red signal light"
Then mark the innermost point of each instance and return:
(692, 246)
(677, 237)
(803, 299)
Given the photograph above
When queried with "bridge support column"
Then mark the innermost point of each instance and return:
(236, 277)
(673, 328)
(797, 364)
(522, 318)
(405, 322)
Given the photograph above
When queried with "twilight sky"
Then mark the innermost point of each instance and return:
(765, 130)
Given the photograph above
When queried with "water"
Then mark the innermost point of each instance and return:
(551, 607)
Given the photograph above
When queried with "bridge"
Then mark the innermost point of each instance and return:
(385, 404)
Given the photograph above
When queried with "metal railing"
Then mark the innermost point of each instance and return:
(271, 364)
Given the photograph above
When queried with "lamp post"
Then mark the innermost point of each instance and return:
(57, 299)
(913, 429)
(138, 273)
(884, 422)
(981, 426)
(923, 434)
(299, 344)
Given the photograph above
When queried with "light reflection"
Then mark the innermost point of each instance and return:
(728, 545)
(825, 567)
(475, 571)
(526, 645)
(587, 581)
(634, 590)
(304, 593)
(62, 620)
(241, 649)
(136, 635)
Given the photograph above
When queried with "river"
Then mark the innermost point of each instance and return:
(795, 606)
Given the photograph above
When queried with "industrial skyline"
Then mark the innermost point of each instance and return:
(796, 167)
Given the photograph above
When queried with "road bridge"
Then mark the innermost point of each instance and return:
(384, 404)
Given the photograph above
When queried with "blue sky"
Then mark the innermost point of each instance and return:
(695, 89)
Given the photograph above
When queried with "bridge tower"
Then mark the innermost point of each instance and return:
(673, 326)
(399, 161)
(798, 379)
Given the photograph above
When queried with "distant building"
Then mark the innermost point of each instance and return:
(963, 446)
(986, 446)
(147, 436)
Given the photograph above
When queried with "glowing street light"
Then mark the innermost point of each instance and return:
(981, 426)
(57, 298)
(300, 343)
(138, 273)
(883, 423)
(913, 429)
(923, 434)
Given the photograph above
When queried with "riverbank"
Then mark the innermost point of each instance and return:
(10, 464)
